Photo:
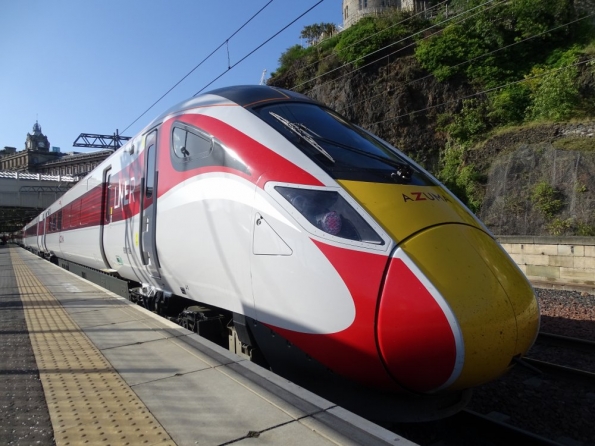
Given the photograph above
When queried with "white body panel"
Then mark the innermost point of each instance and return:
(204, 233)
(80, 246)
(298, 291)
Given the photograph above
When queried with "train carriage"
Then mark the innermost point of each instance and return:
(272, 207)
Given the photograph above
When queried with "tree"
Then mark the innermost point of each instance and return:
(482, 46)
(556, 95)
(318, 31)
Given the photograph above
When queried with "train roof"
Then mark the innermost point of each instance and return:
(246, 96)
(252, 95)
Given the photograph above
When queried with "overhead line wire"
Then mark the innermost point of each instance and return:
(479, 57)
(225, 42)
(258, 47)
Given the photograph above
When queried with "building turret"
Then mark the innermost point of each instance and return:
(37, 141)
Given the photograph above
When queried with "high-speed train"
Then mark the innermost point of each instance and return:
(272, 207)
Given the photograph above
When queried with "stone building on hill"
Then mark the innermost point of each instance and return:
(353, 10)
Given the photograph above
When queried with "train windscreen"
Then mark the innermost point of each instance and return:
(343, 150)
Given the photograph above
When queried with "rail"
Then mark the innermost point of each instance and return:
(497, 431)
(582, 345)
(560, 371)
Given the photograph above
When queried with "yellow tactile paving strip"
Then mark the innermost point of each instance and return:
(88, 401)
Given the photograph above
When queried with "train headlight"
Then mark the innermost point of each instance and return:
(331, 213)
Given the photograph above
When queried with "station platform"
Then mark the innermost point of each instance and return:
(83, 366)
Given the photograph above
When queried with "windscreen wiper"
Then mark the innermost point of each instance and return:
(298, 129)
(403, 170)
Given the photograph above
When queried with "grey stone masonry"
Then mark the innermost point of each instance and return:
(563, 260)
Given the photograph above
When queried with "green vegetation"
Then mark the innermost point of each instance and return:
(461, 180)
(318, 31)
(570, 227)
(366, 40)
(585, 229)
(289, 58)
(547, 199)
(502, 44)
(555, 96)
(370, 35)
(470, 124)
(479, 46)
(575, 143)
(489, 45)
(560, 227)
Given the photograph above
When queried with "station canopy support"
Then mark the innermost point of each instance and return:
(94, 141)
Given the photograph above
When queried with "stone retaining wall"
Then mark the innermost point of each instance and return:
(561, 260)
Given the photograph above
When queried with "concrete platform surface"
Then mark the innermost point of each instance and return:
(197, 392)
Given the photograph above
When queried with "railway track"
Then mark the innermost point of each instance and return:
(556, 362)
(576, 344)
(492, 430)
(561, 371)
(581, 347)
(469, 427)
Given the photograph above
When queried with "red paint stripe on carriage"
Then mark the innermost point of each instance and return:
(351, 352)
(263, 163)
(414, 335)
(84, 212)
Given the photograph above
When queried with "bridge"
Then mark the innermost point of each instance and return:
(24, 195)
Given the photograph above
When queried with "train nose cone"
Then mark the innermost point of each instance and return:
(454, 310)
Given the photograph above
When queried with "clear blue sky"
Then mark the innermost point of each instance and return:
(94, 66)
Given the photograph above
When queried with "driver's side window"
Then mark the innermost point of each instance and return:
(188, 145)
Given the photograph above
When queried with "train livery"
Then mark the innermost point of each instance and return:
(270, 206)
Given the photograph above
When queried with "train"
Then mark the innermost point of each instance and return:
(310, 233)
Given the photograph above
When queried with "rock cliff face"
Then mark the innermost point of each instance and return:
(523, 165)
(399, 102)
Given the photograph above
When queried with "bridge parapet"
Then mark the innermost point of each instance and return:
(38, 176)
(24, 195)
(558, 261)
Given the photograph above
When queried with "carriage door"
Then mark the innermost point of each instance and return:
(148, 212)
(40, 231)
(46, 215)
(106, 212)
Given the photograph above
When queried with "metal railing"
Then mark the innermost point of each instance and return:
(38, 177)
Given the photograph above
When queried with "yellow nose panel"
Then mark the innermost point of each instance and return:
(467, 267)
(405, 209)
(519, 290)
